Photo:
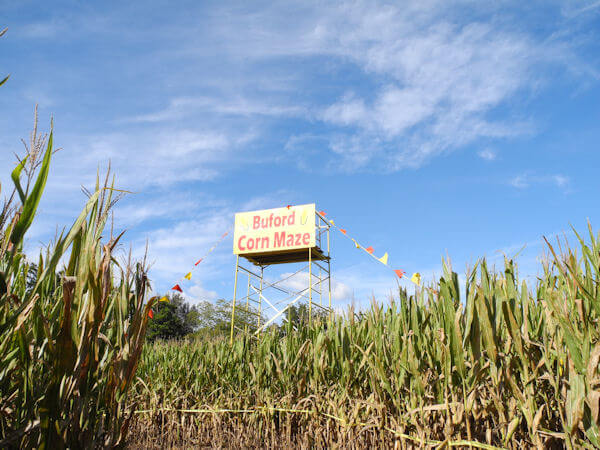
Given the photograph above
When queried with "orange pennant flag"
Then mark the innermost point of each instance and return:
(369, 250)
(198, 262)
(384, 259)
(176, 288)
(399, 272)
(150, 314)
(323, 213)
(342, 230)
(225, 234)
(188, 276)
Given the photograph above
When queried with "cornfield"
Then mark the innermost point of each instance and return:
(72, 324)
(509, 365)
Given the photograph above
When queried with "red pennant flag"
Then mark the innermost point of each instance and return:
(176, 288)
(342, 230)
(323, 213)
(150, 314)
(288, 206)
(399, 272)
(369, 250)
(198, 262)
(225, 234)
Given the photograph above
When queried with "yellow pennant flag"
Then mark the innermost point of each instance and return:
(188, 276)
(356, 243)
(384, 259)
(416, 278)
(332, 223)
(164, 299)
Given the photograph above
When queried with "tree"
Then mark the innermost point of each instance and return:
(297, 315)
(214, 319)
(173, 319)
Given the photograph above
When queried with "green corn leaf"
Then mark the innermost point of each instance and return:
(32, 201)
(16, 175)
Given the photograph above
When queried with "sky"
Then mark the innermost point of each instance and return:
(428, 129)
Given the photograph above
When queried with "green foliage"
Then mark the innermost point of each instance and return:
(214, 319)
(173, 319)
(298, 315)
(507, 364)
(71, 336)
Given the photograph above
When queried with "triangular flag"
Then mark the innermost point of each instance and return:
(225, 234)
(323, 213)
(369, 250)
(164, 299)
(356, 243)
(188, 276)
(342, 230)
(198, 262)
(176, 288)
(416, 278)
(384, 259)
(399, 272)
(288, 206)
(150, 314)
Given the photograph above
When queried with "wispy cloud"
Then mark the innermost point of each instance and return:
(184, 106)
(340, 292)
(527, 180)
(437, 81)
(487, 154)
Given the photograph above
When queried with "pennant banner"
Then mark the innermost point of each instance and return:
(384, 259)
(188, 276)
(415, 278)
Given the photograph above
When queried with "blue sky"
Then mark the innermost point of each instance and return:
(425, 128)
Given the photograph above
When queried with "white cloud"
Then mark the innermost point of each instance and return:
(298, 282)
(241, 106)
(148, 157)
(276, 199)
(429, 79)
(487, 154)
(527, 180)
(560, 180)
(519, 181)
(197, 293)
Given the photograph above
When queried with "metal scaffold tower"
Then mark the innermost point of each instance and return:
(258, 239)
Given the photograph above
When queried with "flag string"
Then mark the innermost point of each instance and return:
(188, 275)
(415, 278)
